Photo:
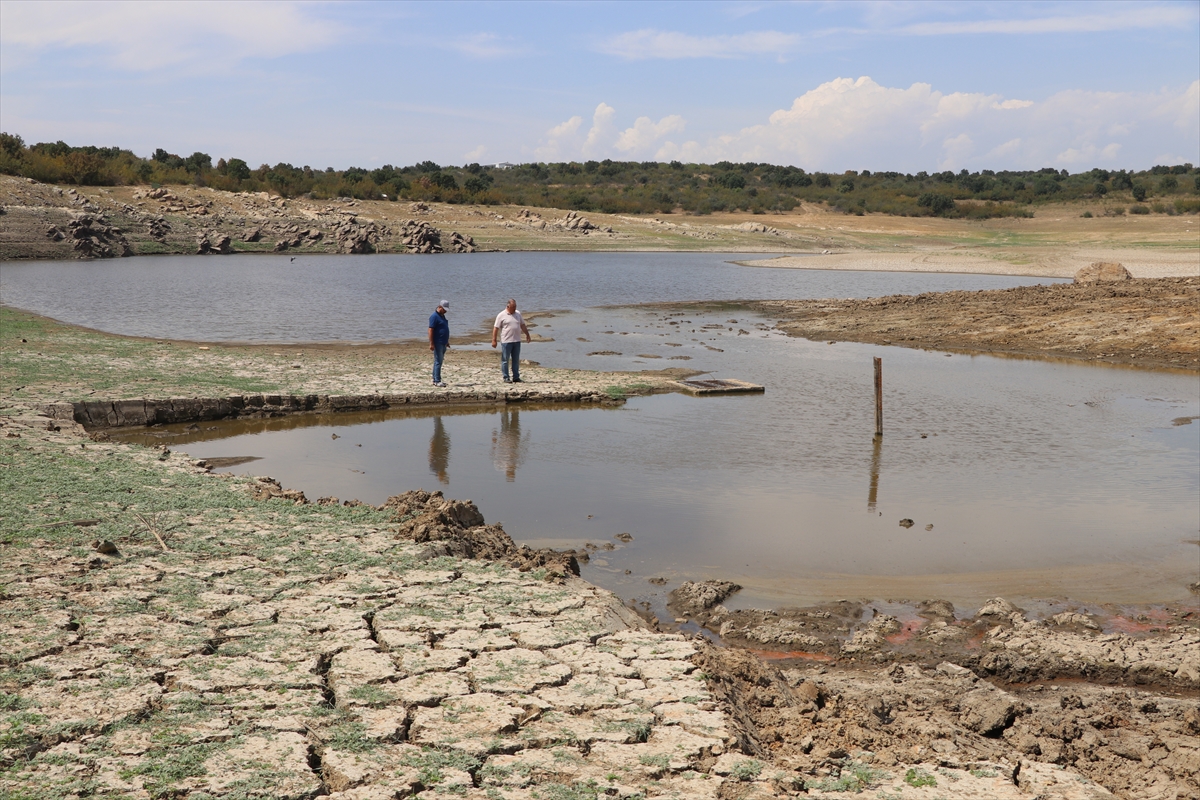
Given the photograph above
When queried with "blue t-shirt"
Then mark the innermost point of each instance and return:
(441, 328)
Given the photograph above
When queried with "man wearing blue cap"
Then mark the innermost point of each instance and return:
(439, 340)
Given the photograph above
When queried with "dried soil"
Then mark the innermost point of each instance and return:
(1142, 322)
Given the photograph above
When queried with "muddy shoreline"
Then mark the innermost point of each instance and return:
(1150, 322)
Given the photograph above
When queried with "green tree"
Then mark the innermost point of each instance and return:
(1139, 192)
(237, 169)
(12, 145)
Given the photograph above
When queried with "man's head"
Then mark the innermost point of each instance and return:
(443, 307)
(512, 306)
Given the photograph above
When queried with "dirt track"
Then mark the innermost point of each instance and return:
(1148, 323)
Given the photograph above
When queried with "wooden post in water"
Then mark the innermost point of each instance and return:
(879, 397)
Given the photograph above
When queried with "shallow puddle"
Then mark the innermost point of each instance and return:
(1028, 479)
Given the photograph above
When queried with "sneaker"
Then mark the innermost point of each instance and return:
(440, 385)
(508, 380)
(517, 380)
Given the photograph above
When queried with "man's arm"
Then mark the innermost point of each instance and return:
(526, 331)
(431, 338)
(495, 333)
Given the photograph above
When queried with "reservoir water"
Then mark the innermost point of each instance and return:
(261, 298)
(1023, 478)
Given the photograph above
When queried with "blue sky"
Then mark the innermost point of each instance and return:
(822, 85)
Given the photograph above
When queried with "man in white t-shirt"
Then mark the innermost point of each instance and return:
(508, 329)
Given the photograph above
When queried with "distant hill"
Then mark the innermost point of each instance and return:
(623, 187)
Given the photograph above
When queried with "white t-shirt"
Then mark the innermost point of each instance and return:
(509, 326)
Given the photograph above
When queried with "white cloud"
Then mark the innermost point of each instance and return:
(644, 44)
(149, 36)
(601, 132)
(645, 134)
(476, 154)
(856, 124)
(568, 128)
(1144, 16)
(562, 138)
(482, 45)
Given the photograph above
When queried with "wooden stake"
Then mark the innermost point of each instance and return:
(879, 397)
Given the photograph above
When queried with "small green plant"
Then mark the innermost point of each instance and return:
(747, 770)
(1139, 209)
(984, 773)
(661, 761)
(1086, 215)
(615, 392)
(917, 778)
(854, 777)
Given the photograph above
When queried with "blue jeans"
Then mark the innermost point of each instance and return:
(439, 355)
(510, 351)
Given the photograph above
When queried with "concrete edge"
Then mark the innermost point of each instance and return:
(100, 414)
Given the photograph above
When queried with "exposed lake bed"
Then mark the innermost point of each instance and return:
(1042, 434)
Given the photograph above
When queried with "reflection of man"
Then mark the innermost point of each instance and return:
(507, 447)
(439, 340)
(439, 452)
(508, 328)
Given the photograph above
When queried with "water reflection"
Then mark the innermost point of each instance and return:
(439, 452)
(508, 447)
(876, 457)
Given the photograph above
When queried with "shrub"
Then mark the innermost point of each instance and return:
(729, 180)
(1139, 192)
(1187, 206)
(1086, 215)
(938, 204)
(1138, 209)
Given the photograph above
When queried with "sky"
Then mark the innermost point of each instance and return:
(828, 86)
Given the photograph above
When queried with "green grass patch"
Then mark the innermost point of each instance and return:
(918, 777)
(852, 777)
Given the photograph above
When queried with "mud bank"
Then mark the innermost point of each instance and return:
(1143, 322)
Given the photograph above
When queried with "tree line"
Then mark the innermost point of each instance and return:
(633, 187)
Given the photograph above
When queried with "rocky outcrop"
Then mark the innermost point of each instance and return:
(1103, 272)
(418, 236)
(573, 221)
(456, 528)
(355, 237)
(159, 228)
(457, 243)
(211, 243)
(756, 227)
(92, 237)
